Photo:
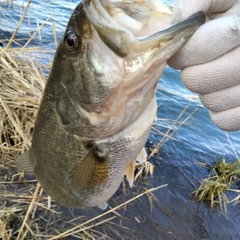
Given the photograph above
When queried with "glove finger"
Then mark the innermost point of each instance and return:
(183, 9)
(213, 76)
(210, 41)
(222, 100)
(221, 6)
(228, 120)
(226, 8)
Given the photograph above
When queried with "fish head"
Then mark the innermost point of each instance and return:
(109, 61)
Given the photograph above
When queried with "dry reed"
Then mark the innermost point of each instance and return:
(22, 82)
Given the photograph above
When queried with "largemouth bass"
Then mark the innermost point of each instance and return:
(99, 101)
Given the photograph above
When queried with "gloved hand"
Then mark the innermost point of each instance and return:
(210, 60)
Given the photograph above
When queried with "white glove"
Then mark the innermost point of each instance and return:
(210, 60)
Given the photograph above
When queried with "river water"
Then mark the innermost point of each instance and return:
(180, 160)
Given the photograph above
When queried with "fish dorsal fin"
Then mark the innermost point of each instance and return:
(23, 162)
(130, 173)
(92, 171)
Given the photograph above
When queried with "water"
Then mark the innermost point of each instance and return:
(198, 141)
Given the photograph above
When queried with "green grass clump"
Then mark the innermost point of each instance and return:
(214, 188)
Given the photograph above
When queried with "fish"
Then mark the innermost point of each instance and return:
(99, 101)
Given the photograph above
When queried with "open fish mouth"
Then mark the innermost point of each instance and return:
(142, 18)
(121, 24)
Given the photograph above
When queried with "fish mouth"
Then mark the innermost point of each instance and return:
(122, 30)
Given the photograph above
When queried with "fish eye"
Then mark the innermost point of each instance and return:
(71, 41)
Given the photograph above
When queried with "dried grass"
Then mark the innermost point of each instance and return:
(22, 82)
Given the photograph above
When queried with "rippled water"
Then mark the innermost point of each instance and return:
(176, 216)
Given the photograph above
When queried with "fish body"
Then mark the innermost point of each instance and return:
(99, 102)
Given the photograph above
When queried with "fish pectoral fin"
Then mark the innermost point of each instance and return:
(92, 171)
(23, 163)
(130, 173)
